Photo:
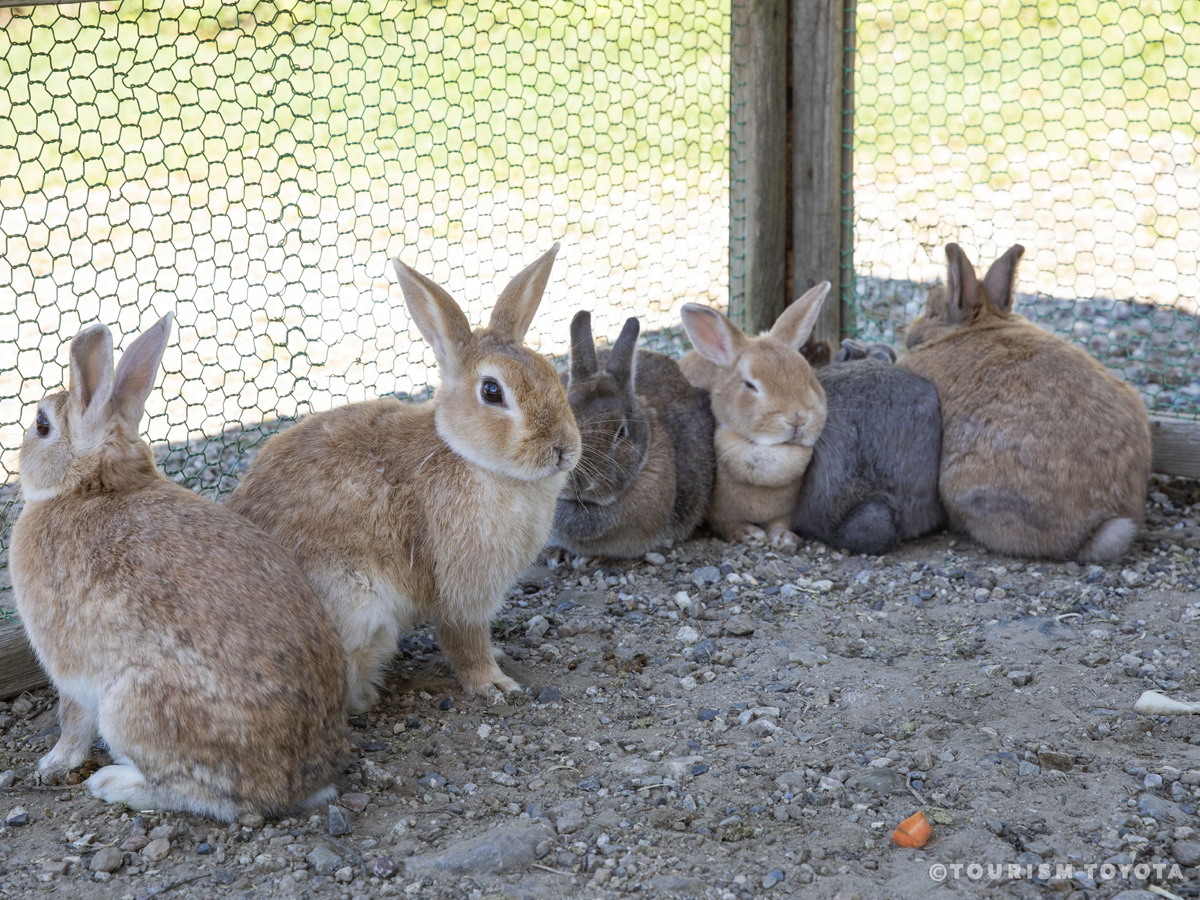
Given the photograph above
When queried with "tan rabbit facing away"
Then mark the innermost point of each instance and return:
(769, 409)
(181, 633)
(402, 513)
(1045, 453)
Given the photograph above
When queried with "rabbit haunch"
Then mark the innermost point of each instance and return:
(1045, 453)
(646, 470)
(402, 513)
(769, 410)
(179, 632)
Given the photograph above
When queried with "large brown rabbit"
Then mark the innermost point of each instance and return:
(1044, 452)
(181, 633)
(404, 512)
(769, 409)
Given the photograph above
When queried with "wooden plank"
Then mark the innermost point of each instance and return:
(19, 669)
(758, 163)
(1176, 446)
(817, 122)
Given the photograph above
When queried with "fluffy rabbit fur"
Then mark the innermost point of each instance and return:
(646, 471)
(769, 410)
(181, 633)
(1044, 452)
(404, 512)
(873, 479)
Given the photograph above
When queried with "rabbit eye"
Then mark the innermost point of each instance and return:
(751, 386)
(42, 424)
(622, 433)
(490, 391)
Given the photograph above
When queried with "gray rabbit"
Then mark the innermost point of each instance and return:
(646, 472)
(873, 479)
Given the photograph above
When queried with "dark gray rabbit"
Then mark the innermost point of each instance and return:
(646, 471)
(873, 479)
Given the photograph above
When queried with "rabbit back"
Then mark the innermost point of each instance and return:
(207, 658)
(873, 479)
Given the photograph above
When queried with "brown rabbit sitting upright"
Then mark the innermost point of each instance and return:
(1044, 451)
(181, 633)
(769, 409)
(403, 512)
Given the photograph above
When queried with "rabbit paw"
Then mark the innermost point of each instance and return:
(489, 684)
(54, 766)
(747, 532)
(782, 537)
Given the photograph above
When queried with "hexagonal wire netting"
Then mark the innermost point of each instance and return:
(253, 166)
(1070, 128)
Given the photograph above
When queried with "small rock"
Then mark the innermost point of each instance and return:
(55, 867)
(740, 626)
(161, 832)
(253, 821)
(384, 867)
(1160, 809)
(1152, 782)
(505, 849)
(707, 715)
(682, 885)
(205, 849)
(433, 781)
(17, 816)
(655, 559)
(156, 850)
(570, 821)
(1051, 759)
(687, 635)
(221, 875)
(706, 575)
(1092, 660)
(1020, 677)
(1186, 853)
(772, 878)
(881, 781)
(356, 803)
(338, 823)
(446, 704)
(107, 860)
(537, 627)
(344, 875)
(590, 784)
(549, 695)
(323, 860)
(823, 586)
(1026, 769)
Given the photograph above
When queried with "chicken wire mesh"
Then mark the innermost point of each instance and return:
(1070, 128)
(254, 166)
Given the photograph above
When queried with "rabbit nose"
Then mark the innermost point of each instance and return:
(562, 458)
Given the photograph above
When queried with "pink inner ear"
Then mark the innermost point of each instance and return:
(710, 336)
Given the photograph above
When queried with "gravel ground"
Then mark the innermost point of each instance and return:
(719, 721)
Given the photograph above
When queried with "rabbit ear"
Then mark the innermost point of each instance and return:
(519, 300)
(622, 360)
(999, 280)
(91, 371)
(713, 335)
(583, 349)
(138, 370)
(796, 322)
(439, 319)
(962, 288)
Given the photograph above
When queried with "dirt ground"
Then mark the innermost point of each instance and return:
(719, 721)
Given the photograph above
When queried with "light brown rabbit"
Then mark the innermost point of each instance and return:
(404, 512)
(769, 410)
(1044, 452)
(180, 632)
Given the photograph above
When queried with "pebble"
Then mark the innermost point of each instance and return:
(549, 695)
(707, 715)
(17, 816)
(590, 784)
(504, 849)
(323, 860)
(1160, 809)
(446, 704)
(433, 781)
(687, 635)
(1020, 677)
(1186, 853)
(107, 860)
(356, 803)
(706, 575)
(570, 821)
(156, 850)
(772, 878)
(655, 559)
(537, 627)
(253, 821)
(338, 823)
(740, 626)
(384, 867)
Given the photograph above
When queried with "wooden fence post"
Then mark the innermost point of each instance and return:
(821, 160)
(758, 222)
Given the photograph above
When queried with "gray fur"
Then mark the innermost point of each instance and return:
(629, 495)
(873, 479)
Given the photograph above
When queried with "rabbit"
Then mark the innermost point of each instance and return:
(873, 478)
(769, 409)
(854, 349)
(405, 512)
(181, 633)
(646, 470)
(1045, 453)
